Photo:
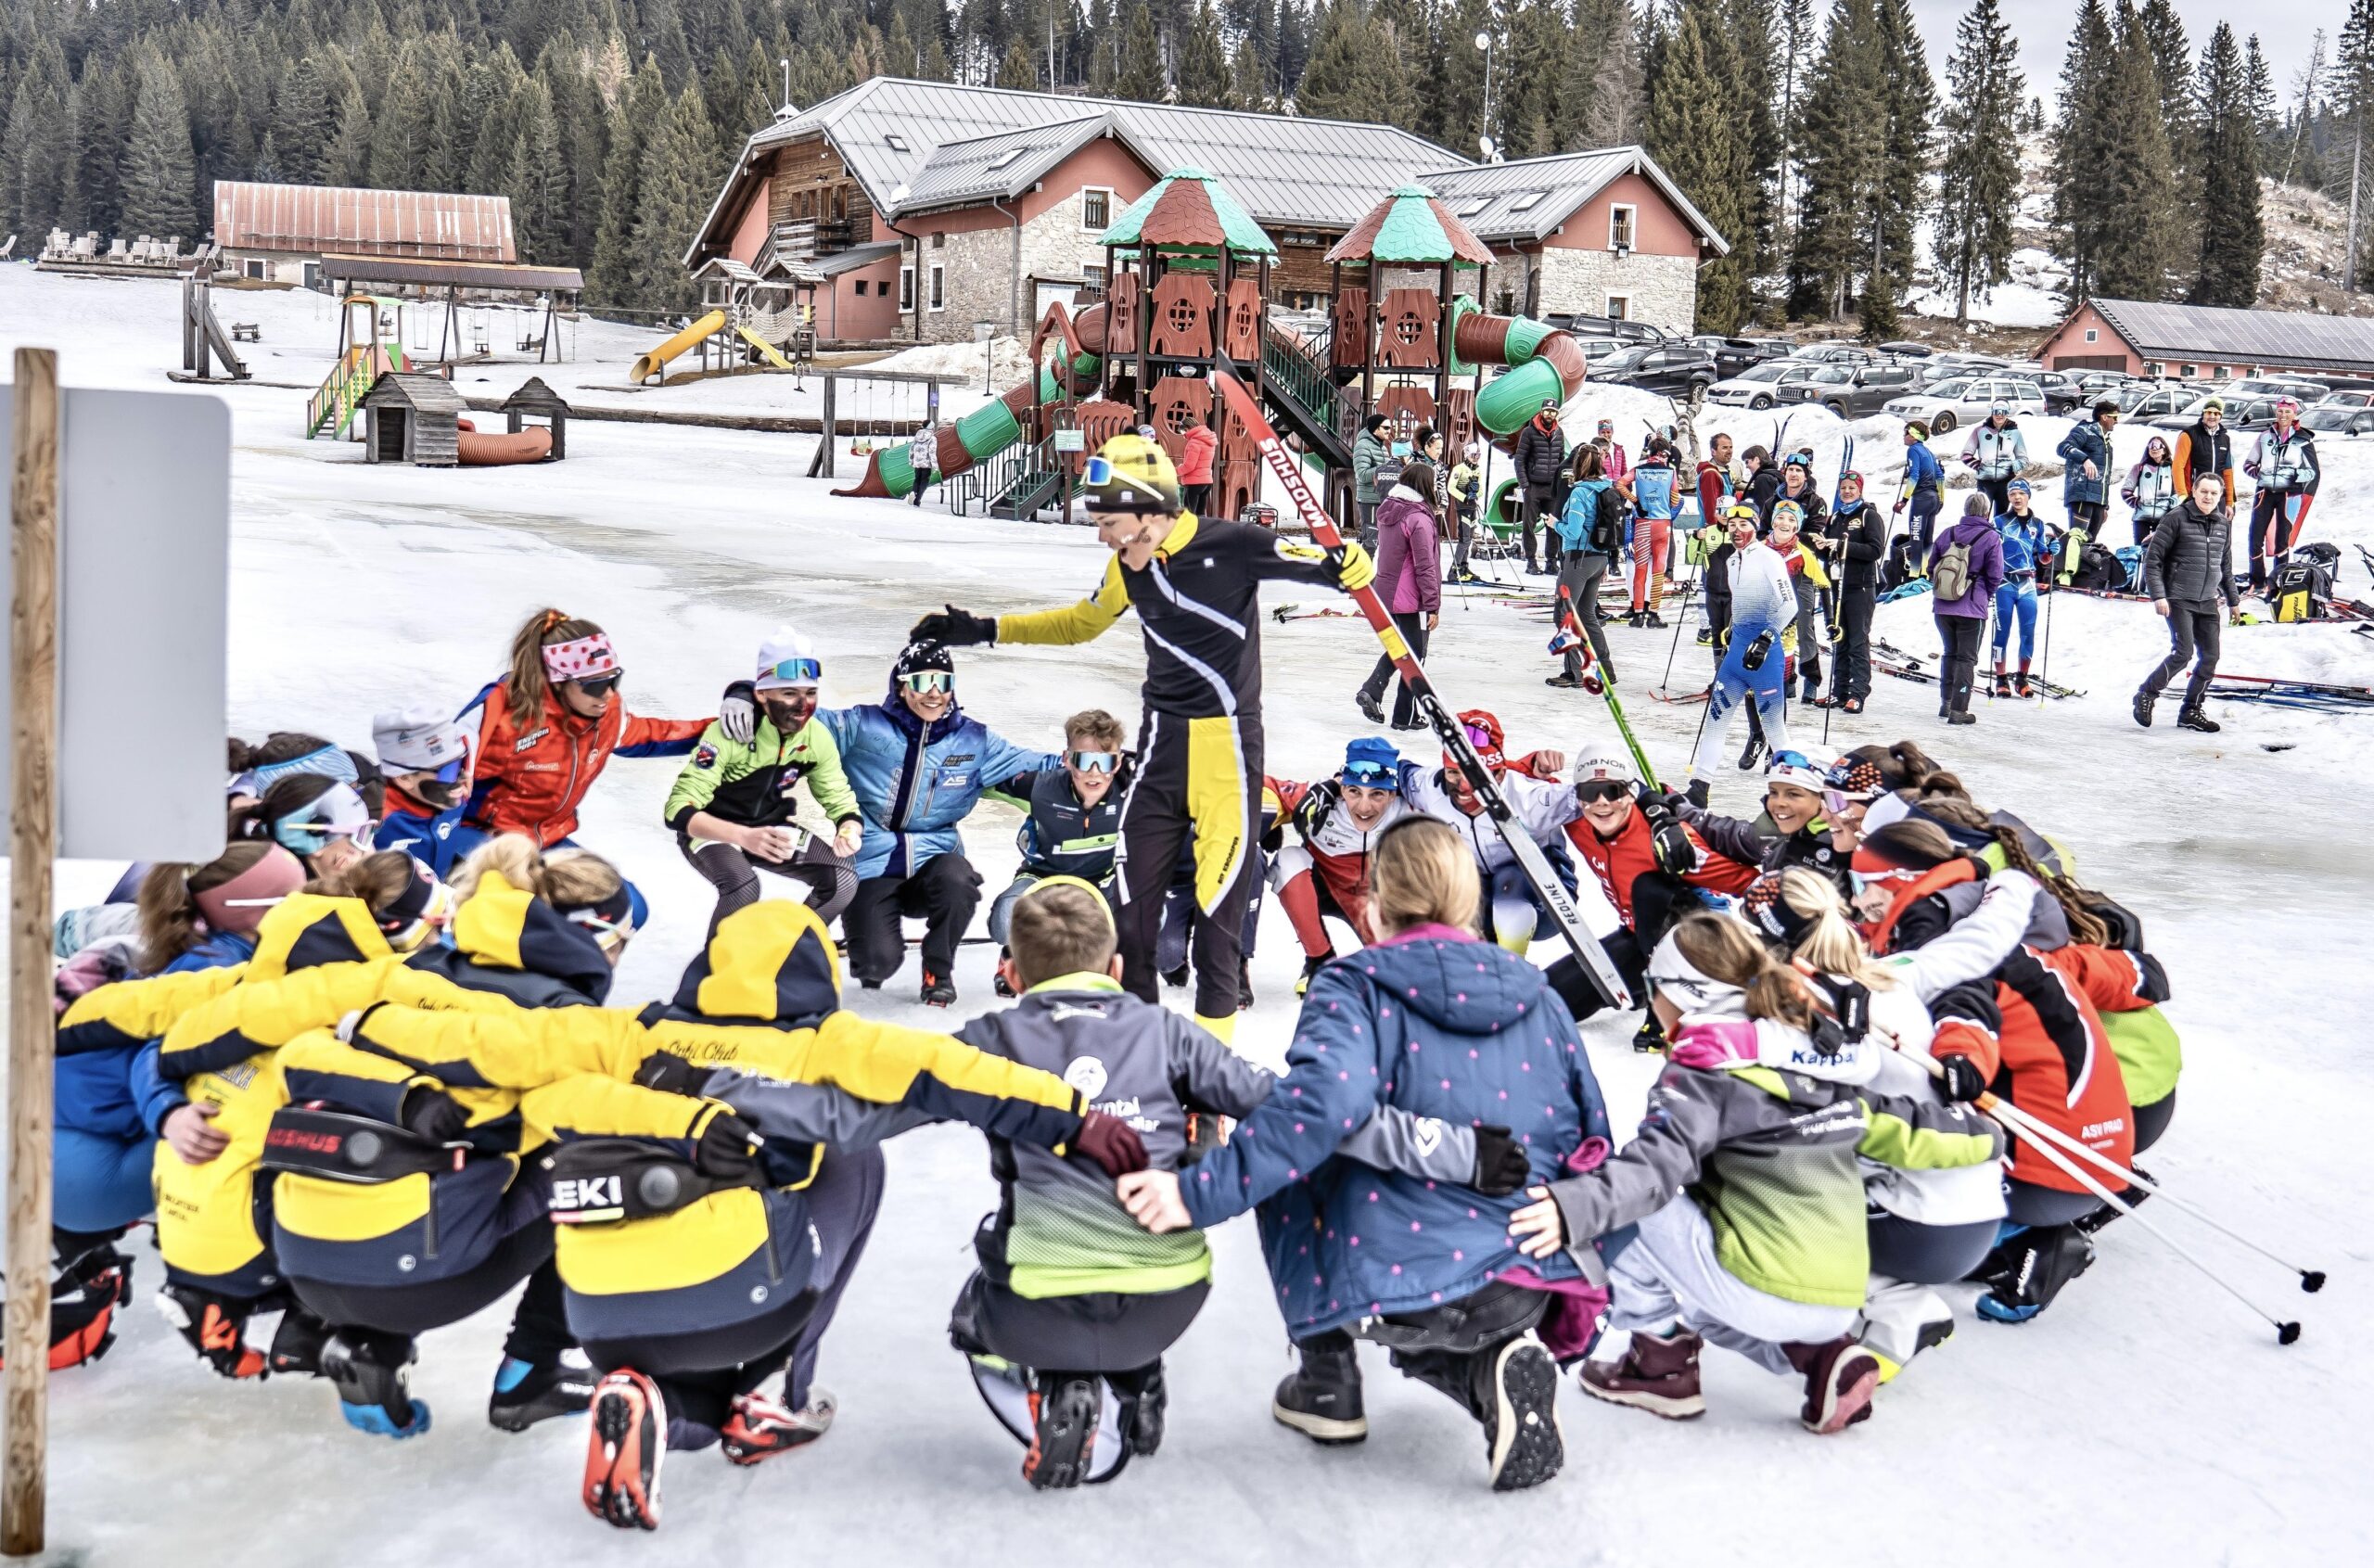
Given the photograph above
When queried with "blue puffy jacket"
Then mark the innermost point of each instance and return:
(118, 1093)
(2085, 442)
(912, 787)
(436, 841)
(1441, 1026)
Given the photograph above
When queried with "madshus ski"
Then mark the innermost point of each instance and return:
(1889, 660)
(1438, 714)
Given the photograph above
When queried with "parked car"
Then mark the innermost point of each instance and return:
(1597, 350)
(2347, 397)
(1852, 391)
(1950, 403)
(1908, 350)
(2062, 394)
(1759, 386)
(2276, 387)
(2148, 400)
(2339, 419)
(1833, 354)
(1732, 354)
(1617, 328)
(1673, 369)
(2338, 388)
(1960, 367)
(2241, 413)
(2098, 383)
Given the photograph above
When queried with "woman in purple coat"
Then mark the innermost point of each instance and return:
(1970, 554)
(1409, 579)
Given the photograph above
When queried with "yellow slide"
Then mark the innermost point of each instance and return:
(650, 364)
(764, 348)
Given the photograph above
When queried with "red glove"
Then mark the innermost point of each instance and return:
(1111, 1142)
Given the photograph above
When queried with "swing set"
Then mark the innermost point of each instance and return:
(889, 407)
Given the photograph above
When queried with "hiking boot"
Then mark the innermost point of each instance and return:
(1063, 1431)
(1520, 1410)
(1958, 716)
(1371, 707)
(527, 1392)
(214, 1326)
(760, 1428)
(1141, 1430)
(2035, 1267)
(1311, 966)
(1564, 682)
(1322, 1399)
(1658, 1373)
(1840, 1379)
(2197, 718)
(2143, 701)
(938, 990)
(625, 1444)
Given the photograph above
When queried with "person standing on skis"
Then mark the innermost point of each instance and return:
(1195, 585)
(2027, 556)
(1924, 484)
(1763, 602)
(2284, 464)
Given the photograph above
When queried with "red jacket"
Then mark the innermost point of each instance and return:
(1195, 461)
(1620, 861)
(531, 781)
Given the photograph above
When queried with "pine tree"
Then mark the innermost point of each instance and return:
(1140, 76)
(1792, 39)
(1909, 95)
(1878, 320)
(2353, 95)
(2136, 178)
(2266, 112)
(2227, 221)
(2078, 210)
(1978, 185)
(347, 159)
(674, 197)
(1842, 151)
(633, 121)
(1450, 93)
(2163, 30)
(1604, 50)
(1203, 62)
(1696, 139)
(157, 160)
(537, 179)
(1018, 69)
(302, 122)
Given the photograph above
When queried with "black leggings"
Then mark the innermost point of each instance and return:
(1197, 790)
(392, 1315)
(1413, 628)
(1578, 580)
(2270, 535)
(1959, 635)
(944, 894)
(1851, 668)
(1117, 1337)
(831, 881)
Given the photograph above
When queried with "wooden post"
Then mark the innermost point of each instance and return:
(831, 424)
(32, 654)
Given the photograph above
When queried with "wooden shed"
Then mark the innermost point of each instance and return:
(538, 402)
(411, 418)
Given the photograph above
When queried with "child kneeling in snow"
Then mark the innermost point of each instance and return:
(1764, 1251)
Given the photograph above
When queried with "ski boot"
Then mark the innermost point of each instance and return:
(1658, 1373)
(1698, 793)
(1322, 1399)
(1652, 619)
(369, 1371)
(1243, 983)
(760, 1428)
(2035, 1267)
(1752, 755)
(2002, 682)
(527, 1392)
(1371, 707)
(1519, 1406)
(625, 1444)
(1311, 966)
(1900, 1321)
(1841, 1377)
(2133, 1197)
(82, 1300)
(2198, 718)
(1142, 1425)
(1650, 1037)
(938, 990)
(1063, 1419)
(2021, 683)
(215, 1327)
(297, 1343)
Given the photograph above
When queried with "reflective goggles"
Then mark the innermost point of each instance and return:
(1836, 801)
(1865, 880)
(920, 681)
(451, 772)
(1094, 761)
(1480, 738)
(406, 933)
(601, 686)
(1370, 775)
(795, 672)
(1098, 473)
(1594, 792)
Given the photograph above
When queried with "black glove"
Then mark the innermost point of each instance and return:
(1961, 1080)
(1499, 1163)
(958, 629)
(1317, 802)
(1111, 1142)
(1758, 651)
(433, 1114)
(667, 1072)
(738, 712)
(726, 1149)
(1669, 841)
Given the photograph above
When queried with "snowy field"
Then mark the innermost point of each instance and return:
(2145, 1419)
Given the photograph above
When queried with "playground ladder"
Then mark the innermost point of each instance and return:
(332, 408)
(1038, 477)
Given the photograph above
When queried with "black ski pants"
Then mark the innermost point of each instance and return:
(2190, 627)
(1926, 503)
(1198, 778)
(830, 881)
(392, 1315)
(1539, 509)
(944, 892)
(1851, 660)
(1104, 1333)
(1958, 635)
(1578, 579)
(1412, 624)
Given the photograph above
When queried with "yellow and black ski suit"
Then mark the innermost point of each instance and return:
(1199, 746)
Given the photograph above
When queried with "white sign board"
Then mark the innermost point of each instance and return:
(143, 577)
(1069, 440)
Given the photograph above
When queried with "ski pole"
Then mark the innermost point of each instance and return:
(1682, 619)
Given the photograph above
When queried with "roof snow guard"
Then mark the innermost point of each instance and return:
(1188, 209)
(1413, 227)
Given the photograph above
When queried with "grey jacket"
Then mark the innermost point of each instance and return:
(2190, 558)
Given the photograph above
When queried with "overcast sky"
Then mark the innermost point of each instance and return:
(2042, 26)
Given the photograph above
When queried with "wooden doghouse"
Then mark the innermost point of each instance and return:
(410, 418)
(535, 401)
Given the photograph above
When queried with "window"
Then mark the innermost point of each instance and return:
(1619, 307)
(906, 289)
(1095, 208)
(2190, 370)
(2155, 368)
(2092, 336)
(940, 242)
(1526, 200)
(1471, 206)
(896, 143)
(1619, 227)
(939, 287)
(253, 267)
(860, 288)
(1007, 159)
(1091, 281)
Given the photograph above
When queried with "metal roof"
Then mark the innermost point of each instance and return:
(461, 275)
(1003, 164)
(855, 257)
(1527, 198)
(2264, 337)
(250, 215)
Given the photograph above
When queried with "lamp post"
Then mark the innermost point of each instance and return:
(1484, 41)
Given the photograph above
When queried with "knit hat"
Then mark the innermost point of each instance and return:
(1796, 513)
(786, 659)
(1372, 763)
(1853, 779)
(1132, 472)
(1850, 478)
(421, 740)
(1799, 460)
(923, 654)
(240, 904)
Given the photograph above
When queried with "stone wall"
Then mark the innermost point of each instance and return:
(1664, 289)
(982, 280)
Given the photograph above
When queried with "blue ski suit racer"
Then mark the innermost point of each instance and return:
(1764, 605)
(2026, 549)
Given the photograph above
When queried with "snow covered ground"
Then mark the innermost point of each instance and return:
(2145, 1419)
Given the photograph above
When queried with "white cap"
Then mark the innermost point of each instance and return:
(1690, 988)
(780, 659)
(419, 740)
(1594, 763)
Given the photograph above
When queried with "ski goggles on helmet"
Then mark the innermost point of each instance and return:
(1793, 767)
(1367, 773)
(1114, 491)
(922, 680)
(794, 672)
(1094, 761)
(2287, 405)
(418, 912)
(1479, 737)
(338, 814)
(1739, 512)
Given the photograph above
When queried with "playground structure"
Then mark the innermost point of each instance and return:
(370, 344)
(203, 340)
(1190, 274)
(751, 316)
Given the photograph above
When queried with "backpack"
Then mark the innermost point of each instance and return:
(2099, 568)
(2304, 589)
(1901, 564)
(1949, 579)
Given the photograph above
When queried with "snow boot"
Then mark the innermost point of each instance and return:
(625, 1444)
(1372, 707)
(938, 990)
(1519, 1406)
(1658, 1373)
(2036, 1266)
(527, 1392)
(2198, 718)
(1564, 682)
(760, 1428)
(2143, 701)
(1142, 1425)
(1840, 1378)
(2021, 683)
(1322, 1399)
(1311, 966)
(368, 1370)
(1062, 1416)
(1900, 1321)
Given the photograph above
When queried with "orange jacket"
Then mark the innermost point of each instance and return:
(531, 779)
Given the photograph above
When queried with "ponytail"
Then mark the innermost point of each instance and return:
(524, 688)
(1831, 945)
(1723, 948)
(1902, 766)
(2076, 903)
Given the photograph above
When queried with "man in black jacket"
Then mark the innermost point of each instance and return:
(2188, 571)
(1541, 461)
(1861, 530)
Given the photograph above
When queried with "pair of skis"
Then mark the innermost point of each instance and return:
(1571, 638)
(1438, 715)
